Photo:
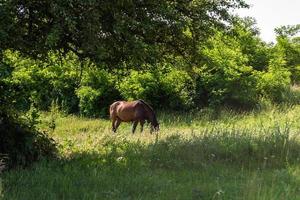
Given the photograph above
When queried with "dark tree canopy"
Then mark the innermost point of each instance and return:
(111, 32)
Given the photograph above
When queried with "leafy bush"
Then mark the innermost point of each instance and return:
(247, 35)
(295, 74)
(174, 89)
(96, 93)
(21, 144)
(289, 49)
(226, 76)
(179, 89)
(141, 85)
(34, 81)
(88, 100)
(230, 70)
(274, 83)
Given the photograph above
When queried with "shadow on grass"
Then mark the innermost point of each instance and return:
(210, 166)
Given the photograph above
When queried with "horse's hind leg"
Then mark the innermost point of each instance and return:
(117, 124)
(113, 124)
(134, 126)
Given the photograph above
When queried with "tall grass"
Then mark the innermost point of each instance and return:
(254, 155)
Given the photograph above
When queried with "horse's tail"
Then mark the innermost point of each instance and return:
(110, 110)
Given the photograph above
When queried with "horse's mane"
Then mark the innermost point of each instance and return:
(147, 105)
(154, 119)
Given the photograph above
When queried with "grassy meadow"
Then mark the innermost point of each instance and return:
(199, 155)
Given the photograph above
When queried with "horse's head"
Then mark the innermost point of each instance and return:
(154, 126)
(151, 117)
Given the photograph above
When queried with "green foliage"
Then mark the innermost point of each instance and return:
(59, 76)
(112, 33)
(173, 89)
(141, 85)
(88, 100)
(290, 50)
(175, 55)
(276, 82)
(16, 85)
(233, 72)
(258, 53)
(179, 89)
(286, 31)
(96, 93)
(226, 75)
(21, 143)
(34, 81)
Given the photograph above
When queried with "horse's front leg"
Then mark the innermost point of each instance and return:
(151, 128)
(134, 126)
(142, 122)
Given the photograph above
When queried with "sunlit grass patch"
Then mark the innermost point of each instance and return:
(252, 155)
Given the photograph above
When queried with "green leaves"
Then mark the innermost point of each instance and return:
(226, 74)
(289, 30)
(288, 48)
(88, 98)
(179, 88)
(274, 83)
(139, 85)
(111, 32)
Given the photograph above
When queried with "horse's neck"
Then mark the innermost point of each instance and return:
(150, 114)
(152, 117)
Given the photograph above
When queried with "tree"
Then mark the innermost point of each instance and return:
(288, 45)
(114, 32)
(245, 31)
(289, 30)
(226, 76)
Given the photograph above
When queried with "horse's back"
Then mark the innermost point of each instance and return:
(114, 104)
(127, 110)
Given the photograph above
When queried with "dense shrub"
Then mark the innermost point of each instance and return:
(88, 100)
(21, 144)
(179, 88)
(173, 89)
(289, 49)
(274, 83)
(232, 70)
(16, 80)
(247, 35)
(141, 85)
(226, 76)
(295, 73)
(96, 93)
(38, 82)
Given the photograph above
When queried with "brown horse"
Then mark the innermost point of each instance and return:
(133, 111)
